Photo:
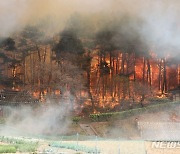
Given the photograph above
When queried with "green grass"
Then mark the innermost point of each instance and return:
(20, 145)
(26, 147)
(132, 112)
(7, 149)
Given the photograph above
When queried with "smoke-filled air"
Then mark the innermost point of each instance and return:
(79, 75)
(154, 22)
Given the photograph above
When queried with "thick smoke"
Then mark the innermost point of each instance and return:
(16, 14)
(159, 27)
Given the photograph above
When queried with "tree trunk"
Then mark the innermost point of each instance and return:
(144, 68)
(165, 78)
(134, 67)
(148, 72)
(89, 84)
(159, 79)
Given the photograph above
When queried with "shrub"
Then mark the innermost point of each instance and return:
(76, 119)
(20, 144)
(127, 113)
(7, 149)
(2, 120)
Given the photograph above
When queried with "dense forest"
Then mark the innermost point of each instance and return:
(110, 70)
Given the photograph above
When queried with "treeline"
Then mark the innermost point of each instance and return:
(113, 69)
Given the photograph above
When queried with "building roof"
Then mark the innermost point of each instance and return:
(16, 97)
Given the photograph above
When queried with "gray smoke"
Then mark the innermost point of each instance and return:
(159, 26)
(48, 119)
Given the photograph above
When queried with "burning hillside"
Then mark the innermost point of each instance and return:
(105, 63)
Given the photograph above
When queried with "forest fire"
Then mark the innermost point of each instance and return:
(111, 69)
(115, 77)
(80, 76)
(152, 71)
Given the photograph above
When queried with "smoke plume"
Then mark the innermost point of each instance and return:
(49, 119)
(159, 27)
